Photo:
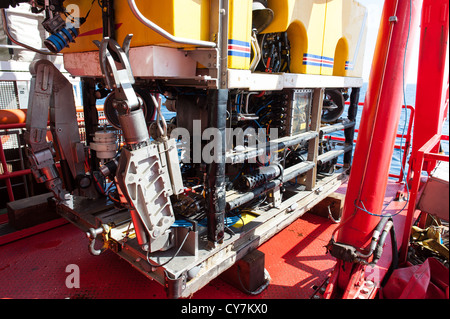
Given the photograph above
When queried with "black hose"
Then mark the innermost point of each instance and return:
(375, 242)
(379, 247)
(394, 264)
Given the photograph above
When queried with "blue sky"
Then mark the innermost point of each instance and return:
(375, 8)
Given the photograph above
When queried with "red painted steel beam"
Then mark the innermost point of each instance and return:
(379, 122)
(432, 77)
(378, 128)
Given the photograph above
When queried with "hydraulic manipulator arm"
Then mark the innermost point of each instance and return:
(148, 172)
(51, 91)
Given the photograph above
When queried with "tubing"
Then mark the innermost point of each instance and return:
(336, 127)
(375, 238)
(288, 174)
(163, 32)
(271, 146)
(247, 197)
(379, 248)
(395, 257)
(331, 155)
(13, 40)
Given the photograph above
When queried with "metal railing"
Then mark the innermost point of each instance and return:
(7, 174)
(423, 154)
(405, 145)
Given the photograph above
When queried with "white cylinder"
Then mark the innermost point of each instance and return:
(105, 144)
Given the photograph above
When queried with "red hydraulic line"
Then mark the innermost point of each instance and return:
(378, 128)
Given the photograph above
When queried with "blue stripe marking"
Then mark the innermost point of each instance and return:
(241, 54)
(308, 55)
(238, 42)
(317, 64)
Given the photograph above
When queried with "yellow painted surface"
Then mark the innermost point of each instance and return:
(327, 36)
(239, 28)
(246, 218)
(181, 18)
(354, 29)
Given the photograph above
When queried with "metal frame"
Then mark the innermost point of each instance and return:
(405, 147)
(213, 249)
(423, 155)
(6, 175)
(209, 261)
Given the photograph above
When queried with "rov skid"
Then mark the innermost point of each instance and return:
(255, 88)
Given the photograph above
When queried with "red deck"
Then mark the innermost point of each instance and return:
(295, 258)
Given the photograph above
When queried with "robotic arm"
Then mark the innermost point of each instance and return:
(148, 172)
(51, 91)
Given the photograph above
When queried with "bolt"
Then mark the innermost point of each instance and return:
(365, 290)
(393, 19)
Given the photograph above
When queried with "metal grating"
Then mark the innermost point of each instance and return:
(9, 98)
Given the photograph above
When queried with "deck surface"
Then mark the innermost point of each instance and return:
(35, 267)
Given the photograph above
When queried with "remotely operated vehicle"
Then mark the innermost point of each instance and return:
(255, 88)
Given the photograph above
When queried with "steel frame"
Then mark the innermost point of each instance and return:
(210, 261)
(423, 155)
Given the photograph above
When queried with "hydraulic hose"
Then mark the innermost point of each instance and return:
(395, 257)
(379, 248)
(379, 229)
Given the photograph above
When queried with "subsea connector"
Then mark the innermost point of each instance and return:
(61, 39)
